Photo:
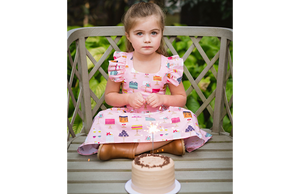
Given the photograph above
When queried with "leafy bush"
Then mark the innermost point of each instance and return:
(195, 64)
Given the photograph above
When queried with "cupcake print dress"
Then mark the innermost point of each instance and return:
(127, 125)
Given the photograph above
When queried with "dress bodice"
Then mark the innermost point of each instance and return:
(121, 70)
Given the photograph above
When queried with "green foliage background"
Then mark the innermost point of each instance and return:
(195, 64)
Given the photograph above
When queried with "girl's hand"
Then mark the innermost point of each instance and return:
(155, 100)
(136, 100)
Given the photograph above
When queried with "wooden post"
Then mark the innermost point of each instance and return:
(222, 70)
(85, 88)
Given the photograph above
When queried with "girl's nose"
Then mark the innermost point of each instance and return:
(147, 39)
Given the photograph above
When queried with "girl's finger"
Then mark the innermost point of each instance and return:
(153, 103)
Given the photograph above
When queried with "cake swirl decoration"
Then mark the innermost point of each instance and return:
(137, 160)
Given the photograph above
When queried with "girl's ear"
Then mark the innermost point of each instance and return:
(127, 36)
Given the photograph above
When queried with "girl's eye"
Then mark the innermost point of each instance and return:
(139, 34)
(154, 33)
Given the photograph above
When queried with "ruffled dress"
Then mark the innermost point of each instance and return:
(127, 125)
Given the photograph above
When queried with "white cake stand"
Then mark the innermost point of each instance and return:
(129, 189)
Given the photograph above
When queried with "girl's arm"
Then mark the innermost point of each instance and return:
(112, 95)
(177, 97)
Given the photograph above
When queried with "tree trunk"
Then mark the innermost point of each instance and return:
(86, 14)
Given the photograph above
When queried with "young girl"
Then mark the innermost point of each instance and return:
(143, 73)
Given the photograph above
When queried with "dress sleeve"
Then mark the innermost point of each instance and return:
(175, 70)
(116, 67)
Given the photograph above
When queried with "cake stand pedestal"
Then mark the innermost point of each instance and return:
(129, 189)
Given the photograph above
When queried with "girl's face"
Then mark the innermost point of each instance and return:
(145, 35)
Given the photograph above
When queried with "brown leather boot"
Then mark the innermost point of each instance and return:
(116, 150)
(175, 147)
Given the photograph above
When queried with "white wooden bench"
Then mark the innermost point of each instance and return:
(206, 170)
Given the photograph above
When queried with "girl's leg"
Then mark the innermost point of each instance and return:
(130, 150)
(145, 147)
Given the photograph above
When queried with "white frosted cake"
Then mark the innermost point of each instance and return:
(153, 173)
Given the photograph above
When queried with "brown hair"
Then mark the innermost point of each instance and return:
(141, 10)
